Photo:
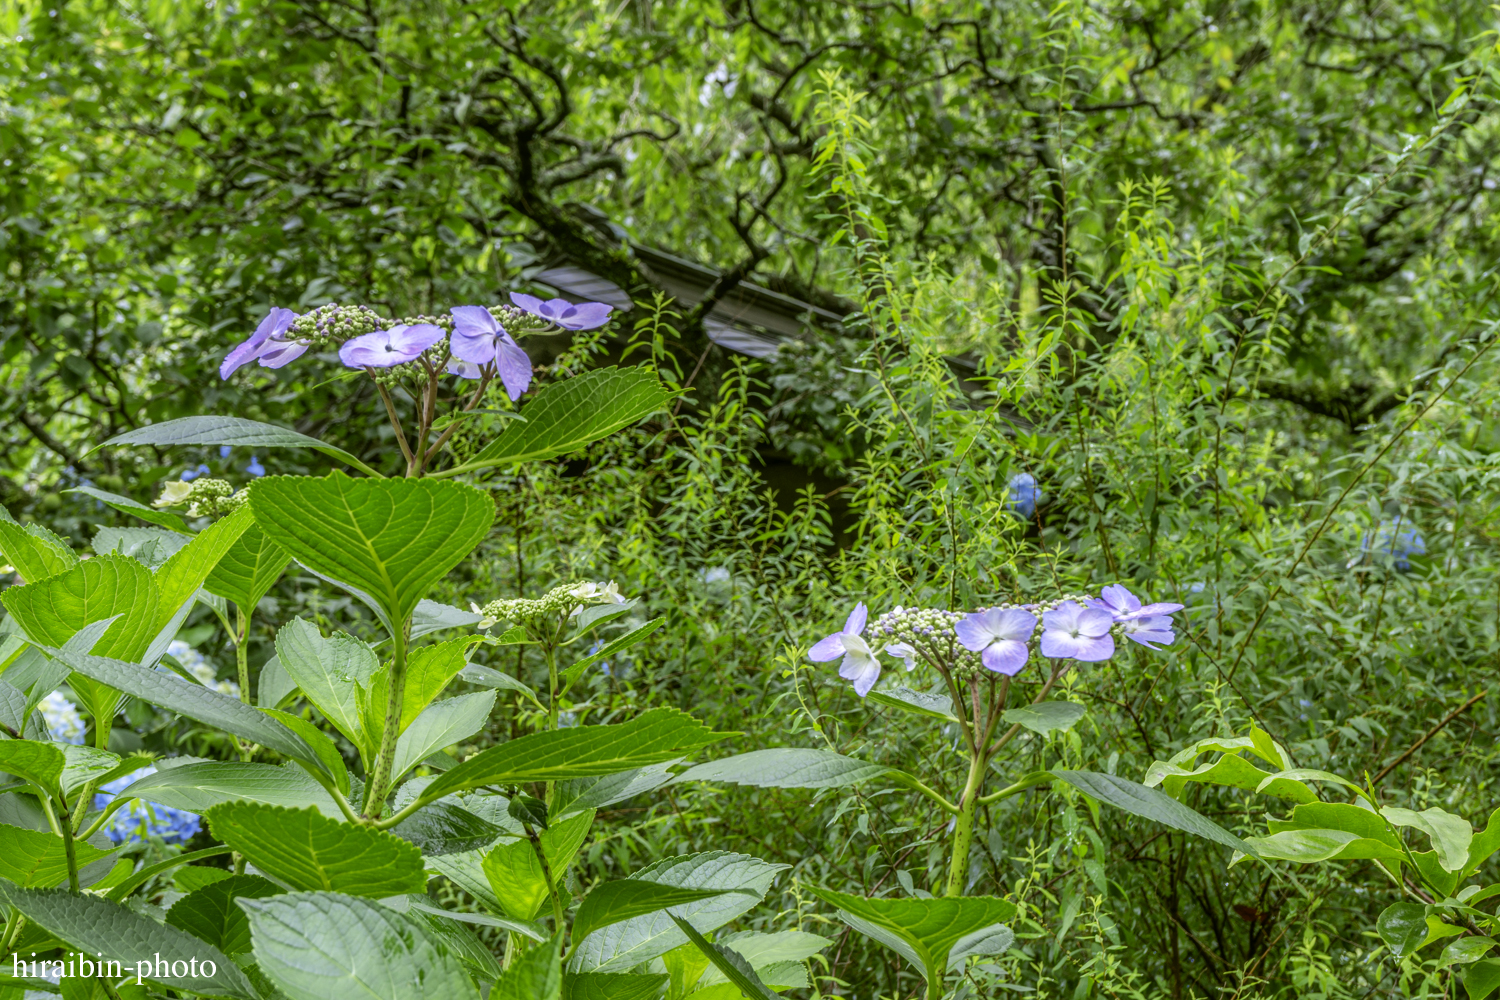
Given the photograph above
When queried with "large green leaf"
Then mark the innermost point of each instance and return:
(444, 829)
(1450, 834)
(329, 672)
(200, 786)
(307, 850)
(34, 761)
(99, 927)
(232, 431)
(607, 789)
(329, 946)
(441, 725)
(211, 914)
(388, 541)
(39, 858)
(536, 974)
(1481, 979)
(923, 931)
(786, 767)
(1485, 843)
(1152, 804)
(193, 700)
(1403, 927)
(188, 568)
(429, 671)
(107, 586)
(932, 706)
(580, 752)
(612, 902)
(35, 552)
(611, 986)
(566, 416)
(1310, 846)
(730, 964)
(622, 946)
(515, 873)
(125, 505)
(149, 546)
(248, 570)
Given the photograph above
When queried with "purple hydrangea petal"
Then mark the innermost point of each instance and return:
(412, 340)
(1061, 645)
(855, 625)
(1119, 600)
(1152, 610)
(275, 324)
(388, 348)
(529, 303)
(862, 669)
(828, 648)
(1148, 636)
(463, 369)
(515, 368)
(280, 353)
(474, 321)
(1006, 657)
(585, 316)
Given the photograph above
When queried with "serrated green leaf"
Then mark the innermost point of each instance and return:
(611, 902)
(329, 946)
(606, 790)
(387, 540)
(442, 829)
(729, 963)
(441, 725)
(31, 760)
(307, 850)
(566, 416)
(924, 931)
(322, 745)
(429, 670)
(35, 552)
(108, 586)
(786, 767)
(932, 706)
(515, 875)
(1046, 717)
(97, 926)
(580, 752)
(211, 915)
(148, 546)
(185, 571)
(1152, 804)
(193, 700)
(232, 431)
(194, 877)
(535, 974)
(200, 786)
(85, 764)
(430, 616)
(605, 986)
(248, 569)
(35, 858)
(622, 946)
(329, 672)
(273, 686)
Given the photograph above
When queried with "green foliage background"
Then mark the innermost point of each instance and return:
(1222, 277)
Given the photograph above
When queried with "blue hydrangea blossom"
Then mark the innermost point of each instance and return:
(137, 821)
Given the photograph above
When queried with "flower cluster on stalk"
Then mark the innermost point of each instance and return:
(558, 603)
(472, 342)
(204, 497)
(998, 640)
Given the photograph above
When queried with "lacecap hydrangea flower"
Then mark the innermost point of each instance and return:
(139, 820)
(200, 668)
(998, 640)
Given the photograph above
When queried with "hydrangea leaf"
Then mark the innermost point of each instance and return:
(108, 586)
(430, 616)
(105, 929)
(923, 931)
(321, 743)
(388, 541)
(193, 700)
(444, 829)
(39, 763)
(210, 913)
(323, 945)
(441, 725)
(730, 964)
(232, 431)
(580, 752)
(536, 974)
(622, 946)
(39, 858)
(273, 685)
(625, 641)
(248, 570)
(1046, 717)
(786, 767)
(149, 546)
(515, 875)
(611, 986)
(566, 416)
(606, 790)
(307, 850)
(200, 786)
(611, 902)
(329, 671)
(933, 706)
(35, 552)
(125, 505)
(1152, 804)
(85, 764)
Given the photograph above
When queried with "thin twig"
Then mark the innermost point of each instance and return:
(1427, 736)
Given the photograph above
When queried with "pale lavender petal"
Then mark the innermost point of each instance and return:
(242, 354)
(864, 671)
(476, 350)
(280, 353)
(1119, 599)
(907, 654)
(366, 349)
(275, 324)
(414, 339)
(529, 303)
(1012, 623)
(1061, 645)
(515, 368)
(1094, 623)
(1006, 657)
(585, 316)
(1064, 616)
(1147, 636)
(971, 632)
(828, 648)
(463, 369)
(1152, 610)
(474, 321)
(856, 623)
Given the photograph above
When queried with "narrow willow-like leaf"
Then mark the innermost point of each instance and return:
(1151, 804)
(787, 767)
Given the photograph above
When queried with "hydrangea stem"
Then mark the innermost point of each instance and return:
(242, 660)
(963, 829)
(385, 758)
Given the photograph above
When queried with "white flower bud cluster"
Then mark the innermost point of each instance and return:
(330, 325)
(205, 497)
(559, 602)
(929, 632)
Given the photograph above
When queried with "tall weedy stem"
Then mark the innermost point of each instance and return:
(385, 758)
